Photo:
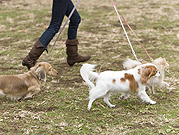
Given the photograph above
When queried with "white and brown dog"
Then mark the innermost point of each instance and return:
(162, 66)
(25, 85)
(124, 82)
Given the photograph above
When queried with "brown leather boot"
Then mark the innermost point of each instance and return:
(31, 59)
(72, 53)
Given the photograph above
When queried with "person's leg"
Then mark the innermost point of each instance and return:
(74, 22)
(72, 41)
(58, 12)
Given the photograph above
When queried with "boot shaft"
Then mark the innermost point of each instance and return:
(72, 48)
(36, 51)
(72, 53)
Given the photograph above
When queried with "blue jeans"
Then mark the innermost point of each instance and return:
(59, 10)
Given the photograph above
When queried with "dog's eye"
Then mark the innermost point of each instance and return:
(157, 71)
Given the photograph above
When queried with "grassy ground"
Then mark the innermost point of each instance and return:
(61, 106)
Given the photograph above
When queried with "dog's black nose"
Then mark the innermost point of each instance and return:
(57, 73)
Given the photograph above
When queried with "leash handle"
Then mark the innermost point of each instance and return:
(124, 31)
(71, 13)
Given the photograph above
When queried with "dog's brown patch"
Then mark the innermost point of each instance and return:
(123, 80)
(114, 81)
(144, 62)
(139, 71)
(133, 85)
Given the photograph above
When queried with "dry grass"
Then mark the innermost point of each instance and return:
(61, 106)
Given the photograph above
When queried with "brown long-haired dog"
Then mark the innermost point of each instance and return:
(25, 85)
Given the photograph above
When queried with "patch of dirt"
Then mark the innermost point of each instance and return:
(41, 108)
(1, 1)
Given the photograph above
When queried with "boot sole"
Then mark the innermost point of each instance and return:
(72, 63)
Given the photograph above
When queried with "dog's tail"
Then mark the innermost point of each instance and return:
(129, 64)
(88, 75)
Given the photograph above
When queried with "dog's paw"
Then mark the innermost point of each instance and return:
(28, 97)
(166, 84)
(153, 102)
(89, 108)
(112, 106)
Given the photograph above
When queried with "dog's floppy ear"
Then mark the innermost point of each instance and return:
(147, 72)
(40, 72)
